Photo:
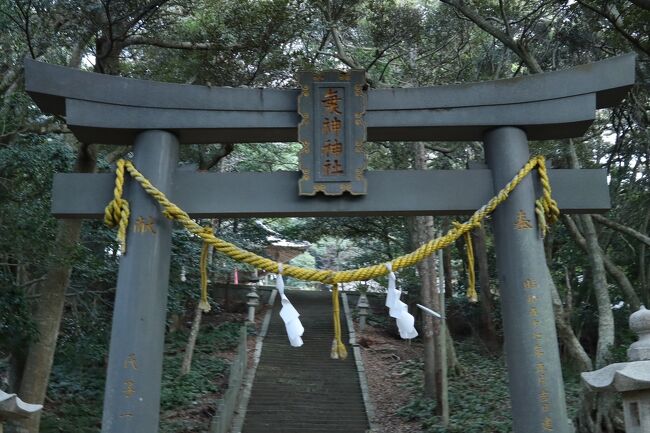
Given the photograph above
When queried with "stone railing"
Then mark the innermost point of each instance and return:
(227, 406)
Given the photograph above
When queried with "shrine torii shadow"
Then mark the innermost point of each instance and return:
(157, 117)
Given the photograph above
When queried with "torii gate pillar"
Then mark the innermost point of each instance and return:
(537, 394)
(132, 394)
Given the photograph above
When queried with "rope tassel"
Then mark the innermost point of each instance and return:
(204, 305)
(546, 208)
(471, 274)
(116, 214)
(398, 309)
(289, 314)
(338, 348)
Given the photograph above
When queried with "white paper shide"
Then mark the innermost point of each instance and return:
(289, 314)
(398, 309)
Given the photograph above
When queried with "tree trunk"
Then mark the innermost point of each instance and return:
(643, 276)
(453, 365)
(599, 280)
(446, 263)
(487, 329)
(616, 272)
(639, 236)
(426, 297)
(49, 309)
(601, 291)
(596, 410)
(434, 369)
(572, 345)
(191, 341)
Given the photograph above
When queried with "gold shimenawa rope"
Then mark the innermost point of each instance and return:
(204, 305)
(117, 214)
(471, 275)
(338, 348)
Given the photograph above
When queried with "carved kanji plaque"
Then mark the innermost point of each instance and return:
(332, 132)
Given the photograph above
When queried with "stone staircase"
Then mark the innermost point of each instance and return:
(303, 390)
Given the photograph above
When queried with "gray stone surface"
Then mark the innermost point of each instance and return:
(358, 361)
(226, 411)
(12, 407)
(240, 414)
(302, 390)
(430, 192)
(534, 370)
(107, 109)
(640, 324)
(132, 396)
(631, 379)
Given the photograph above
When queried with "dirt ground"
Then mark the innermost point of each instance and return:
(383, 358)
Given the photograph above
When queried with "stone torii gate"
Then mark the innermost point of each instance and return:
(157, 117)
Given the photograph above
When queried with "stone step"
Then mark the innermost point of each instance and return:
(303, 389)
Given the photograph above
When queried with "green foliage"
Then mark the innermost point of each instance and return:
(76, 386)
(479, 397)
(74, 415)
(417, 409)
(77, 382)
(222, 337)
(26, 230)
(179, 391)
(16, 326)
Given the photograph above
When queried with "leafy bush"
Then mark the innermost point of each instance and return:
(223, 337)
(478, 399)
(178, 391)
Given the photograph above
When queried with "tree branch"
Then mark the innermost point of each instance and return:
(516, 46)
(622, 228)
(440, 149)
(47, 127)
(223, 151)
(645, 4)
(617, 24)
(616, 272)
(177, 45)
(341, 54)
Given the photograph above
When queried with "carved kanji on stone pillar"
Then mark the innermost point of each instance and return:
(332, 132)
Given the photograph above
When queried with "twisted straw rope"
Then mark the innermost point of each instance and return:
(117, 214)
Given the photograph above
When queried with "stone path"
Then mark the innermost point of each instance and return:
(302, 390)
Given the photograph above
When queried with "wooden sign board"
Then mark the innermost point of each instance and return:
(332, 132)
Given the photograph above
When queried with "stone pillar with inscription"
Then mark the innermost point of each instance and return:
(532, 355)
(132, 397)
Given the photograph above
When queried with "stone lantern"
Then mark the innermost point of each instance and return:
(13, 408)
(631, 379)
(253, 300)
(363, 307)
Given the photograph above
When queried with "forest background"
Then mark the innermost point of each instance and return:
(57, 278)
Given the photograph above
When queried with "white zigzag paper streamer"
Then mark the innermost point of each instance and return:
(289, 314)
(398, 309)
